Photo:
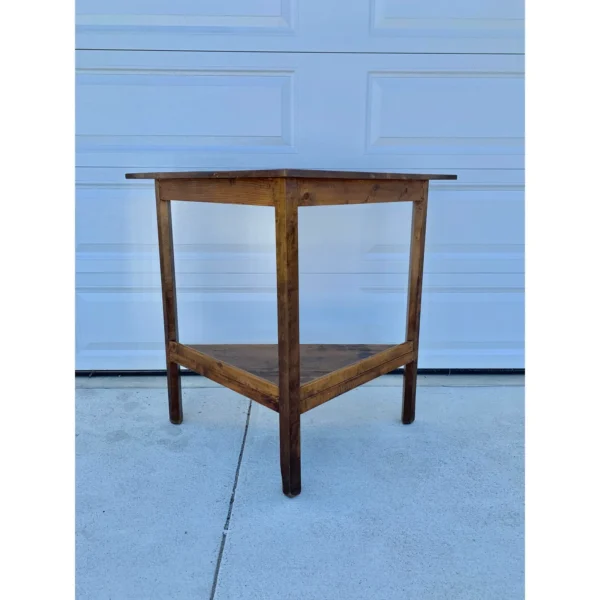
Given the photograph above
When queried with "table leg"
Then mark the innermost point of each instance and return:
(413, 317)
(286, 234)
(169, 300)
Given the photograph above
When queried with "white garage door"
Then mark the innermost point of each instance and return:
(232, 84)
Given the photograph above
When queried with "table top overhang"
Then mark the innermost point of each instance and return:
(291, 173)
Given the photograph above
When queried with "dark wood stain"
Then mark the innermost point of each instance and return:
(169, 300)
(224, 372)
(288, 328)
(285, 173)
(413, 313)
(365, 369)
(316, 360)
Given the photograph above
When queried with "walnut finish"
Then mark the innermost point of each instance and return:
(288, 328)
(169, 298)
(316, 360)
(287, 173)
(413, 312)
(288, 377)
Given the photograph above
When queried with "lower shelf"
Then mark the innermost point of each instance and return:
(316, 360)
(326, 370)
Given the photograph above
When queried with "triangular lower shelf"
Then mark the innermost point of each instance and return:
(316, 360)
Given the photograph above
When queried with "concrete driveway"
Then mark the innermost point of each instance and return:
(427, 511)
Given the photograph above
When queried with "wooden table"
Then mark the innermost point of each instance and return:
(289, 377)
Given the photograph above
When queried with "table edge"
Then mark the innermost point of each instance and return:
(292, 173)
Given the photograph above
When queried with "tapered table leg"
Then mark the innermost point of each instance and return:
(169, 300)
(415, 287)
(286, 228)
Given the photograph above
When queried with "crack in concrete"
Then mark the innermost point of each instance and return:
(231, 501)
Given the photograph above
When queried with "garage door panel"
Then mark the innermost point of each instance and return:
(468, 25)
(479, 217)
(208, 104)
(144, 112)
(455, 329)
(118, 221)
(474, 26)
(117, 329)
(120, 215)
(462, 113)
(139, 260)
(123, 315)
(135, 260)
(115, 215)
(257, 110)
(164, 20)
